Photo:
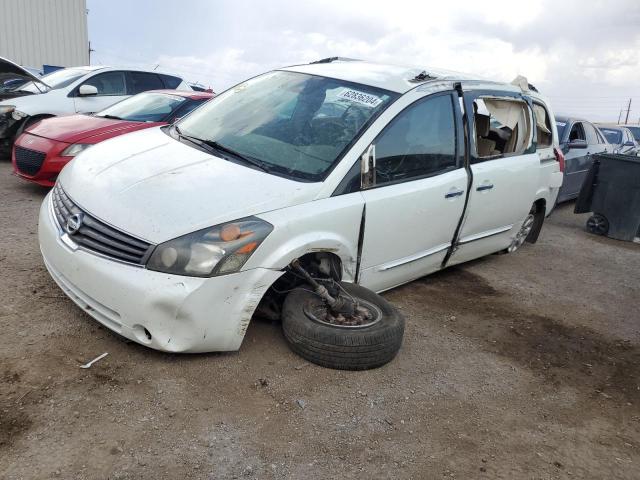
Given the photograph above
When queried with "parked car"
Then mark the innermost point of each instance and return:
(621, 139)
(12, 76)
(579, 140)
(634, 129)
(366, 176)
(73, 90)
(43, 149)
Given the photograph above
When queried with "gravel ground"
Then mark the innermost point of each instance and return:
(521, 366)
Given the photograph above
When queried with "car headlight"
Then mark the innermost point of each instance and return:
(75, 149)
(6, 109)
(211, 251)
(18, 115)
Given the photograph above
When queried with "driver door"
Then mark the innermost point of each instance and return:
(417, 195)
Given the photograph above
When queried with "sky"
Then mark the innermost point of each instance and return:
(583, 55)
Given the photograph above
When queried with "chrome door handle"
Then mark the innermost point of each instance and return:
(484, 187)
(453, 193)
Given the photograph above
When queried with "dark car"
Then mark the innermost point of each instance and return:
(621, 139)
(579, 140)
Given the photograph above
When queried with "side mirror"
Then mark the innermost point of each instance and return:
(577, 144)
(629, 144)
(87, 90)
(368, 167)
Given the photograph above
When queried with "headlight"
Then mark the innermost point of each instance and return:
(18, 115)
(5, 109)
(211, 251)
(75, 149)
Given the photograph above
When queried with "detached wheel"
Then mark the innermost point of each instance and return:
(598, 224)
(359, 342)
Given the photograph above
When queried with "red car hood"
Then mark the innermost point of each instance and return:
(85, 128)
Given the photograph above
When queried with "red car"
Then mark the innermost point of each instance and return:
(42, 150)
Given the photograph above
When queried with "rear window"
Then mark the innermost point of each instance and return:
(612, 135)
(170, 81)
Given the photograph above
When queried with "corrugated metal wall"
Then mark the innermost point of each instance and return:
(38, 32)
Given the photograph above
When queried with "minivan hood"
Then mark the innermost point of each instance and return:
(157, 188)
(11, 71)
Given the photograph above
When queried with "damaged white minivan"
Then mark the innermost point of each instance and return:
(297, 195)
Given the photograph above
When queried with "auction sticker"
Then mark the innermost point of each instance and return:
(360, 97)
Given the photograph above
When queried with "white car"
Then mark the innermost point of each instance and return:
(370, 174)
(71, 90)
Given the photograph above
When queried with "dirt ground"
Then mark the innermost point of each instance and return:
(521, 366)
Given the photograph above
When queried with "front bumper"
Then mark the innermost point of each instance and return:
(8, 129)
(166, 312)
(52, 164)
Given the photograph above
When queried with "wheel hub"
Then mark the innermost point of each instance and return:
(523, 233)
(365, 314)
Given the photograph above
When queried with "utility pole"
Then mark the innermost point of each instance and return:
(90, 50)
(628, 110)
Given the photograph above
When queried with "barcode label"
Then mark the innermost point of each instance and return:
(360, 97)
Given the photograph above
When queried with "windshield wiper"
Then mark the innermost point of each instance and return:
(112, 117)
(212, 145)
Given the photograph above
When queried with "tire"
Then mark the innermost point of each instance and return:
(597, 224)
(525, 230)
(338, 347)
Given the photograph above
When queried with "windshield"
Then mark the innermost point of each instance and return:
(55, 80)
(561, 126)
(293, 123)
(612, 135)
(144, 107)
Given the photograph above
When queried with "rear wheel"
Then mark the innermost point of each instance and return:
(524, 231)
(598, 224)
(368, 339)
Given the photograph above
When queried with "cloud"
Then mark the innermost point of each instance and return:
(584, 55)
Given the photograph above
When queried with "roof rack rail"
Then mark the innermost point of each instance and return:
(334, 59)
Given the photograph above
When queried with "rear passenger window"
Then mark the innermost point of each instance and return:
(543, 126)
(502, 127)
(141, 82)
(419, 142)
(170, 81)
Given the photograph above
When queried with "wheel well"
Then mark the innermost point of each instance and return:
(540, 210)
(320, 264)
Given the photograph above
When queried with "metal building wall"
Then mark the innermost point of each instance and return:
(38, 32)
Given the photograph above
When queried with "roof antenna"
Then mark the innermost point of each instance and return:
(423, 76)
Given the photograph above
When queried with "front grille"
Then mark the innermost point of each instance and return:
(97, 236)
(29, 161)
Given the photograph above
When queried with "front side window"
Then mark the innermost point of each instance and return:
(145, 107)
(635, 131)
(109, 83)
(143, 82)
(502, 127)
(294, 124)
(419, 142)
(577, 132)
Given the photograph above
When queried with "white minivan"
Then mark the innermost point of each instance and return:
(86, 89)
(300, 192)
